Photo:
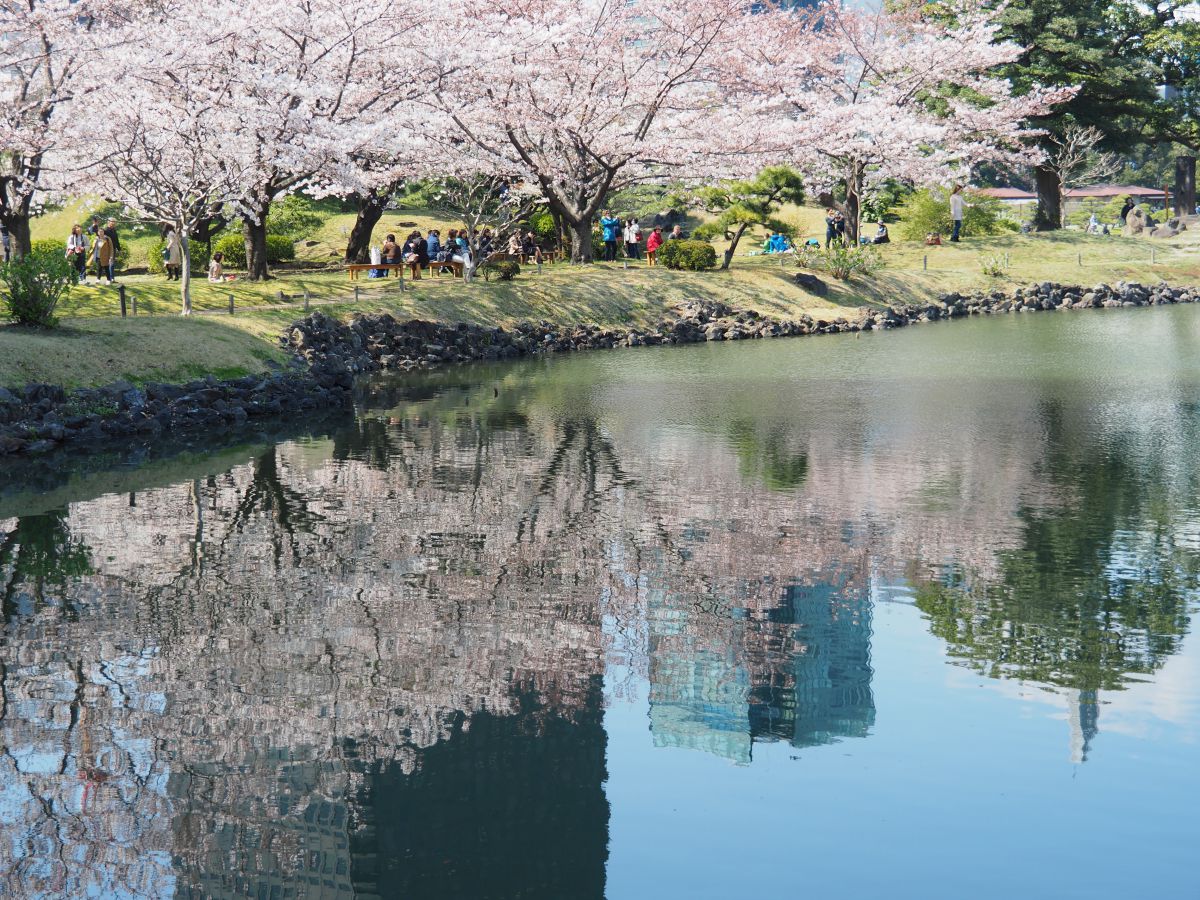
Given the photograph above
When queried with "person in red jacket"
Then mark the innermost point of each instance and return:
(652, 244)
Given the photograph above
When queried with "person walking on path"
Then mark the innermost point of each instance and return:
(173, 261)
(652, 244)
(610, 228)
(110, 229)
(102, 253)
(956, 213)
(77, 252)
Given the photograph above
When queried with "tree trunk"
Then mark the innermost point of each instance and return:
(370, 211)
(185, 271)
(1049, 215)
(18, 233)
(1185, 185)
(14, 209)
(255, 235)
(737, 236)
(581, 241)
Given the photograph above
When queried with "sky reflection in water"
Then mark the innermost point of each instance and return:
(902, 615)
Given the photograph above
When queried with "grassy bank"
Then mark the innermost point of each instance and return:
(95, 346)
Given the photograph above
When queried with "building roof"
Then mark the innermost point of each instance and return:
(1096, 190)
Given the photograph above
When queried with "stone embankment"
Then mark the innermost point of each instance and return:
(43, 417)
(327, 355)
(382, 342)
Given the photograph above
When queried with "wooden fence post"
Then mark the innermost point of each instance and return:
(121, 294)
(133, 303)
(356, 293)
(231, 304)
(306, 299)
(926, 263)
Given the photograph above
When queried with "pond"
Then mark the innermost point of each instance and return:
(902, 614)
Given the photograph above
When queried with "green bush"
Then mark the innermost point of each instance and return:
(694, 256)
(46, 246)
(542, 225)
(504, 270)
(197, 252)
(842, 261)
(295, 217)
(233, 245)
(927, 211)
(34, 284)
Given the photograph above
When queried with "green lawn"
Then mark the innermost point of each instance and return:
(95, 345)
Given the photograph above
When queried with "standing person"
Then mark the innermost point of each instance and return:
(956, 213)
(631, 242)
(839, 224)
(173, 259)
(102, 253)
(652, 244)
(6, 241)
(610, 227)
(1127, 209)
(830, 227)
(77, 252)
(110, 229)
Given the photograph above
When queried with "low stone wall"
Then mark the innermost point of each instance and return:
(382, 342)
(42, 417)
(328, 354)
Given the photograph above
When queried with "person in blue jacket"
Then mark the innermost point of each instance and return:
(610, 227)
(433, 244)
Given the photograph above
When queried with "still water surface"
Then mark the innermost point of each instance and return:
(903, 615)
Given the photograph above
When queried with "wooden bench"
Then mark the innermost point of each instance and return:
(355, 268)
(435, 269)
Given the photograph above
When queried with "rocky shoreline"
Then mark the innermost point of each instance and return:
(327, 355)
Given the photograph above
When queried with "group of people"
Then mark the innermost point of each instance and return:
(425, 251)
(778, 242)
(98, 245)
(615, 232)
(172, 255)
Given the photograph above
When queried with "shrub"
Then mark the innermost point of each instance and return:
(197, 252)
(279, 248)
(694, 256)
(542, 225)
(46, 246)
(233, 245)
(295, 217)
(842, 261)
(504, 270)
(927, 211)
(992, 266)
(34, 284)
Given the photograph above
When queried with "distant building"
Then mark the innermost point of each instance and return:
(1082, 198)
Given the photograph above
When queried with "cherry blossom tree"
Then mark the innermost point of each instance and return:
(316, 83)
(44, 46)
(589, 96)
(903, 92)
(161, 144)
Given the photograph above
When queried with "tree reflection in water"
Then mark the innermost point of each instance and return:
(374, 664)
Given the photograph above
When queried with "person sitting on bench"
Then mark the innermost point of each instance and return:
(416, 254)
